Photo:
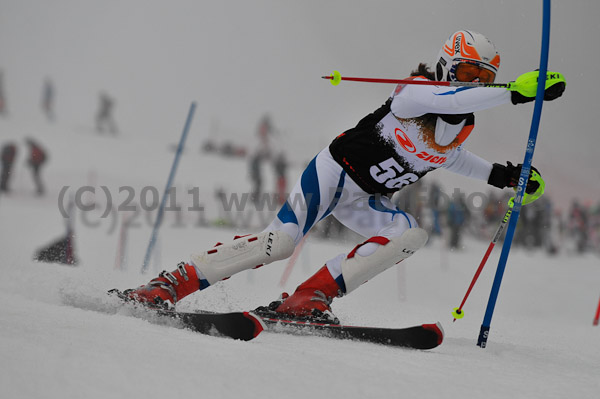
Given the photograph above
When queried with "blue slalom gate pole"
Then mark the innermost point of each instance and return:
(159, 216)
(535, 124)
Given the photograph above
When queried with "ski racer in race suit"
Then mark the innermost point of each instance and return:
(418, 130)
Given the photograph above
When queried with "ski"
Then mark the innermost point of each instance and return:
(425, 336)
(247, 325)
(243, 326)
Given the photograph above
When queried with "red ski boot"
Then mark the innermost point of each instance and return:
(312, 298)
(167, 287)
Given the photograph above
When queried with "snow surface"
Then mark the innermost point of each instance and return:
(55, 340)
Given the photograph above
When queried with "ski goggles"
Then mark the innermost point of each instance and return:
(469, 72)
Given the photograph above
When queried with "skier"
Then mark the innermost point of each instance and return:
(418, 129)
(104, 117)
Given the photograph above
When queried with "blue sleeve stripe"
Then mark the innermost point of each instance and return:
(450, 93)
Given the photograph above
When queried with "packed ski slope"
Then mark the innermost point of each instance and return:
(55, 342)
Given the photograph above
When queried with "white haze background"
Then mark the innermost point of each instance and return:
(238, 60)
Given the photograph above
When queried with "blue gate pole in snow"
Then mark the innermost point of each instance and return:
(159, 216)
(535, 123)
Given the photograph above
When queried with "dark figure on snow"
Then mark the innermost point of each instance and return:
(578, 225)
(264, 133)
(37, 158)
(434, 200)
(255, 173)
(48, 99)
(9, 153)
(104, 119)
(418, 129)
(458, 215)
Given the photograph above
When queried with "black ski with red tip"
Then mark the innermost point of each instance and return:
(237, 325)
(425, 336)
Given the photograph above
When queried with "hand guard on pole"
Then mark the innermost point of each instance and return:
(508, 176)
(524, 87)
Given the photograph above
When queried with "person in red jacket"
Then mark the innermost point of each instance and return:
(37, 158)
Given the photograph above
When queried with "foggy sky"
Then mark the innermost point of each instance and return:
(240, 59)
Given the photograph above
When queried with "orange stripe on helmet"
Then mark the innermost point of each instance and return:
(496, 61)
(449, 50)
(466, 50)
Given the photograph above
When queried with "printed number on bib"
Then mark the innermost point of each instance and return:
(389, 173)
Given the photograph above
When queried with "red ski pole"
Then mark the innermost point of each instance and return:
(597, 315)
(291, 263)
(521, 83)
(527, 199)
(336, 78)
(458, 312)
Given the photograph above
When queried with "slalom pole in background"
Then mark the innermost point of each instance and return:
(122, 243)
(597, 317)
(159, 216)
(535, 123)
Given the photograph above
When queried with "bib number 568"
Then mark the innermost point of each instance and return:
(389, 173)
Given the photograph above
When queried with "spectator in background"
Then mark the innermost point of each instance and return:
(435, 199)
(48, 99)
(255, 172)
(9, 153)
(280, 165)
(594, 230)
(104, 118)
(458, 215)
(37, 157)
(265, 131)
(578, 226)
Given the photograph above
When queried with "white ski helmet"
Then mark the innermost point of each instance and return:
(466, 46)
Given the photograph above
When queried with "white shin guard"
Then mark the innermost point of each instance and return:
(358, 269)
(244, 253)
